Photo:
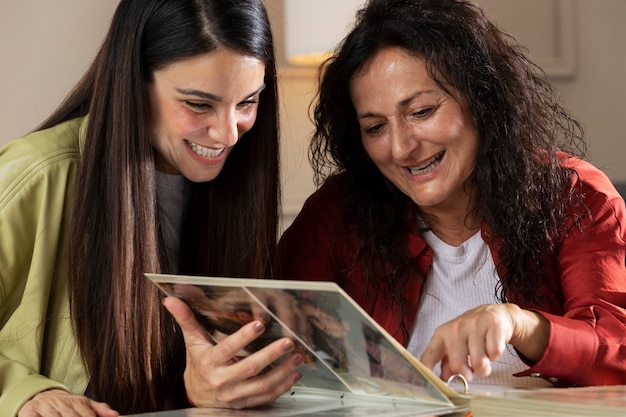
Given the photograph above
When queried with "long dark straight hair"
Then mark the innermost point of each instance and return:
(131, 348)
(520, 122)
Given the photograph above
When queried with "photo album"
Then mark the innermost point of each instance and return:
(352, 366)
(349, 358)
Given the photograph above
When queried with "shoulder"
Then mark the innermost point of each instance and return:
(592, 181)
(37, 147)
(322, 211)
(326, 204)
(603, 206)
(330, 192)
(54, 151)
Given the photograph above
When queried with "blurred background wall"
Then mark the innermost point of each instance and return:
(45, 46)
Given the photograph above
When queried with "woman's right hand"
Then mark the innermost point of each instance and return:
(216, 377)
(58, 402)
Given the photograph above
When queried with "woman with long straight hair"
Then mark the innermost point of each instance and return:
(163, 158)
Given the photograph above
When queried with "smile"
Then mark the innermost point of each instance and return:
(203, 150)
(428, 165)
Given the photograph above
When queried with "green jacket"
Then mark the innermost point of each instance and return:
(37, 346)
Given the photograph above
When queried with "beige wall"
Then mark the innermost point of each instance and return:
(46, 45)
(597, 93)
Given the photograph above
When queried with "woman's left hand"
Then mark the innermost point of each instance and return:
(469, 343)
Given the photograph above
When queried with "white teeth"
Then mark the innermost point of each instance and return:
(428, 165)
(203, 150)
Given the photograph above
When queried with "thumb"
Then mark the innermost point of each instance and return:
(103, 409)
(192, 330)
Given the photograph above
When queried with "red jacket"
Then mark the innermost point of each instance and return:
(587, 344)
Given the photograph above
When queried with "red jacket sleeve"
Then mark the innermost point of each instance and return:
(587, 344)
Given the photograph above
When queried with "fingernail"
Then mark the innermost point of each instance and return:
(258, 327)
(288, 345)
(298, 360)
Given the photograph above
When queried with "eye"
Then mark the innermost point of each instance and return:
(371, 125)
(374, 129)
(197, 106)
(248, 103)
(421, 113)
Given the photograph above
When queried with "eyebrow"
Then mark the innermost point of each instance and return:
(403, 103)
(213, 97)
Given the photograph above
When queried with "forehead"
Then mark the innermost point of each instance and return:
(391, 71)
(390, 63)
(220, 68)
(396, 73)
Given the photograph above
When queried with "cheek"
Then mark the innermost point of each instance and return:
(187, 123)
(173, 118)
(246, 121)
(375, 149)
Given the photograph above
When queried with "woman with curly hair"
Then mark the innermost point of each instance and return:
(455, 205)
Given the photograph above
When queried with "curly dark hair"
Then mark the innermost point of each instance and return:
(521, 188)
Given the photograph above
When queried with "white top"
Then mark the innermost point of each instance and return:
(461, 278)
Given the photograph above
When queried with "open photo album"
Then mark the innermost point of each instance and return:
(352, 366)
(348, 356)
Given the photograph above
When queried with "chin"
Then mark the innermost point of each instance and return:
(422, 200)
(202, 178)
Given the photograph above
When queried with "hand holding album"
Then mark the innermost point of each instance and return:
(224, 312)
(344, 349)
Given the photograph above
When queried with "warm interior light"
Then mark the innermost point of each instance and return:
(312, 59)
(314, 28)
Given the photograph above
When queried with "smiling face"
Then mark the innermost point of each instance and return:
(201, 107)
(417, 134)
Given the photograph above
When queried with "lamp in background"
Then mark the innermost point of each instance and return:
(314, 27)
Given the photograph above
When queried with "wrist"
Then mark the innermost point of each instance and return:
(531, 334)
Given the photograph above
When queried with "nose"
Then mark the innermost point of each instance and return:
(403, 140)
(224, 130)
